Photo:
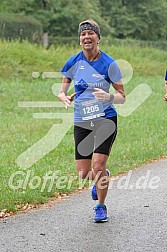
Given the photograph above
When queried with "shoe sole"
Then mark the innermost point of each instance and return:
(100, 221)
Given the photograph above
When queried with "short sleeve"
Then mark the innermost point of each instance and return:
(114, 72)
(67, 70)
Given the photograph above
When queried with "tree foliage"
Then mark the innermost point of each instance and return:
(142, 19)
(13, 26)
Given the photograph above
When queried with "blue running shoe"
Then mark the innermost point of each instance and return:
(100, 214)
(94, 191)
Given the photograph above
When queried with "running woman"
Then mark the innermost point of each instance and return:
(95, 118)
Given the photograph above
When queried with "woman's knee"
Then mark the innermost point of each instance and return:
(99, 166)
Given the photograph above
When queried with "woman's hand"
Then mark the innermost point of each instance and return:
(66, 99)
(101, 95)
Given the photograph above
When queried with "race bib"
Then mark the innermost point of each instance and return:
(91, 109)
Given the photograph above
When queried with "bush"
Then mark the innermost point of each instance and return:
(20, 27)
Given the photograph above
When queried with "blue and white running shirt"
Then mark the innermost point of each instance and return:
(88, 75)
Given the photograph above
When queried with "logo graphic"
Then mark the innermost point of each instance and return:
(82, 67)
(98, 76)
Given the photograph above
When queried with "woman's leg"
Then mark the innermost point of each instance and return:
(101, 177)
(84, 168)
(105, 137)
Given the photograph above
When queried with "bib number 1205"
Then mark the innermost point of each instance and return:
(91, 109)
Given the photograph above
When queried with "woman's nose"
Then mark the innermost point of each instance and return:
(87, 35)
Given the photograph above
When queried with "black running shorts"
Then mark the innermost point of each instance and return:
(94, 137)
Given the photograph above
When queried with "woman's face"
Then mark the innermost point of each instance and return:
(88, 39)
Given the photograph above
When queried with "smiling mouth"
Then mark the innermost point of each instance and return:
(87, 42)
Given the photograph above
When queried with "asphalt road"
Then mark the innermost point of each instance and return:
(137, 210)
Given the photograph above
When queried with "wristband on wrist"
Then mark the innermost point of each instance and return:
(111, 97)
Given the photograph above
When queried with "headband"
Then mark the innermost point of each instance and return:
(88, 26)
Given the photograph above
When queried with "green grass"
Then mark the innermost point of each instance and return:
(141, 135)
